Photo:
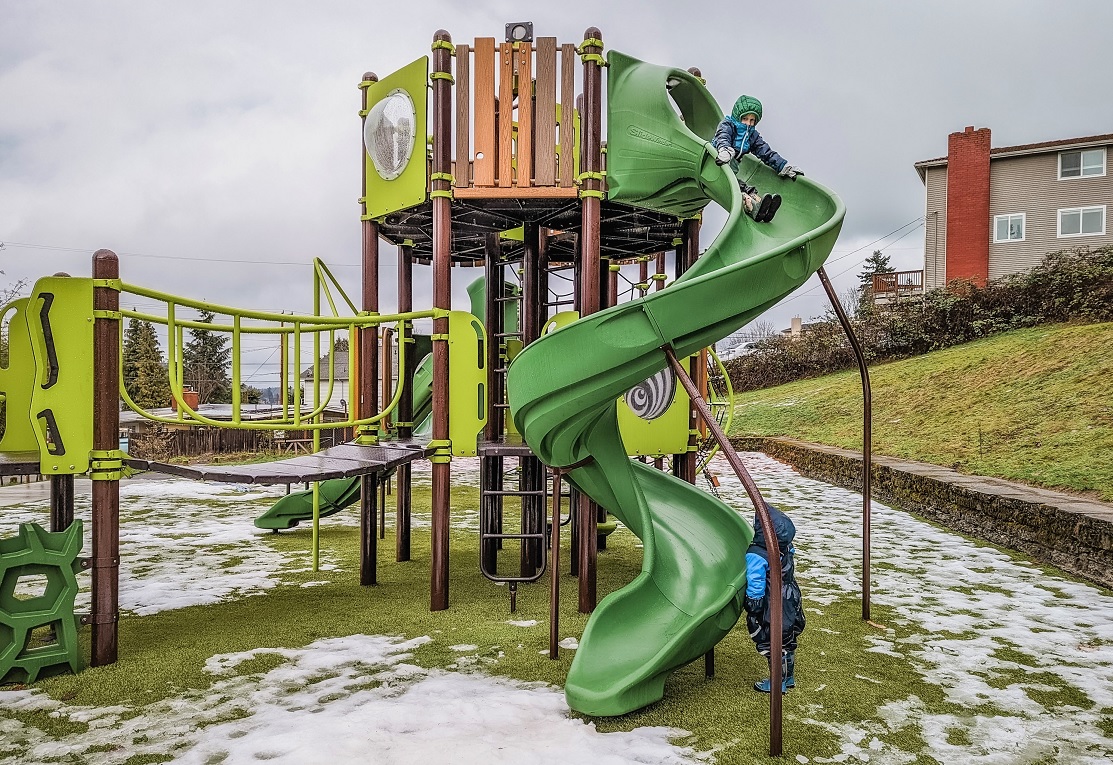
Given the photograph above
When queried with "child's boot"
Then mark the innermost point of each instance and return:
(790, 670)
(751, 203)
(766, 685)
(768, 207)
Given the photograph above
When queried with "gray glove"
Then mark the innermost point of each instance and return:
(726, 154)
(790, 172)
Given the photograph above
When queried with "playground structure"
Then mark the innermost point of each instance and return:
(516, 179)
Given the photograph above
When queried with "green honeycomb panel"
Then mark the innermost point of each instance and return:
(39, 632)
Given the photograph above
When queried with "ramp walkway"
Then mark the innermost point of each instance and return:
(343, 461)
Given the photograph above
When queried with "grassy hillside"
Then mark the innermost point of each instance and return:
(1034, 405)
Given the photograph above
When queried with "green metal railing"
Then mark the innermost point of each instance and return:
(292, 330)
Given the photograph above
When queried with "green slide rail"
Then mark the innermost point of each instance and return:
(563, 388)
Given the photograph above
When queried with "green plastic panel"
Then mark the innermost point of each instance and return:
(411, 187)
(17, 380)
(467, 371)
(666, 434)
(60, 320)
(38, 631)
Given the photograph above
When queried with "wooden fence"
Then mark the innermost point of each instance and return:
(162, 444)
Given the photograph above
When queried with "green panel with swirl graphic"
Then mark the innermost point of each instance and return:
(395, 130)
(653, 416)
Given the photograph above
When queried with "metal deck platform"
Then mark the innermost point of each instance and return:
(344, 461)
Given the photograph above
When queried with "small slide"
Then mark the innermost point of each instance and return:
(297, 506)
(564, 387)
(339, 493)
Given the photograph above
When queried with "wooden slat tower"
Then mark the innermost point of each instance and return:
(523, 147)
(517, 127)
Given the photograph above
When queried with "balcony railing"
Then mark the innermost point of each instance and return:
(896, 286)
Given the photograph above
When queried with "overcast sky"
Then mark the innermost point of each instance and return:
(214, 145)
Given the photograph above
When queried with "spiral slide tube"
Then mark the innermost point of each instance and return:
(563, 388)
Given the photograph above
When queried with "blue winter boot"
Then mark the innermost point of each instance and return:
(765, 686)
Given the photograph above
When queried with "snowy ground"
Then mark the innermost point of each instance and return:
(357, 699)
(942, 585)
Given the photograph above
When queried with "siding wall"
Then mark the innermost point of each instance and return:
(339, 391)
(1030, 184)
(935, 227)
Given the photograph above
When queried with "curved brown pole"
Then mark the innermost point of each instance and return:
(867, 438)
(776, 608)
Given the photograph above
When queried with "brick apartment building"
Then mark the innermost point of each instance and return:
(996, 211)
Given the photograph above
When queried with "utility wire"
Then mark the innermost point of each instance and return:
(33, 246)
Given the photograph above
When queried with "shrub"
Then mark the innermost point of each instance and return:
(1069, 285)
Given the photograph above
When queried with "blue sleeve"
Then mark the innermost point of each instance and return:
(763, 151)
(724, 134)
(756, 569)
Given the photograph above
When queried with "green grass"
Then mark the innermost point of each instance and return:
(840, 681)
(1034, 406)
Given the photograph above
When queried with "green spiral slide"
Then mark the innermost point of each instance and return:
(564, 387)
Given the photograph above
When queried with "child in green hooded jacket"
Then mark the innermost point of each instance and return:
(736, 136)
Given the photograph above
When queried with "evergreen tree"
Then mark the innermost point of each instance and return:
(205, 360)
(874, 264)
(145, 377)
(877, 263)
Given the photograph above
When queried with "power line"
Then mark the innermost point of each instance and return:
(919, 221)
(33, 246)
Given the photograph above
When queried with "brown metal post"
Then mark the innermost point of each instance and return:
(590, 255)
(686, 254)
(387, 395)
(406, 402)
(105, 615)
(442, 298)
(659, 272)
(368, 548)
(554, 571)
(531, 477)
(775, 590)
(61, 502)
(867, 437)
(496, 347)
(490, 466)
(368, 403)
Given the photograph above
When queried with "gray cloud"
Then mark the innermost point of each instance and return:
(230, 131)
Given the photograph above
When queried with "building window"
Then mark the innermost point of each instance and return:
(1082, 164)
(1008, 228)
(1082, 221)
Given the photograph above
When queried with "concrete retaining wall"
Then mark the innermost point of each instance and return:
(1069, 532)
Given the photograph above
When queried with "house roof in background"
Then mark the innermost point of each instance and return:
(340, 366)
(1026, 148)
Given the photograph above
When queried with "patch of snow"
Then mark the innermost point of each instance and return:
(343, 700)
